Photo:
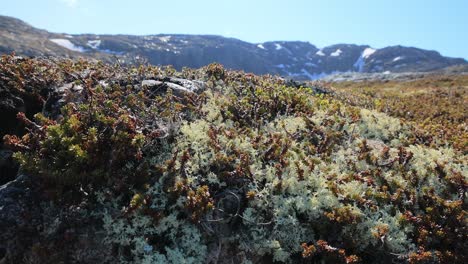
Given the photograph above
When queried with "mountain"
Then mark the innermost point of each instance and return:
(294, 59)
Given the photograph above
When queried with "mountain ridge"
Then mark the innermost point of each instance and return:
(294, 59)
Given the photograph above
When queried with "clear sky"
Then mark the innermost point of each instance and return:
(440, 25)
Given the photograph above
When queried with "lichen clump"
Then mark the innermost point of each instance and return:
(252, 170)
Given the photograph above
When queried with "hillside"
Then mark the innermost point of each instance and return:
(293, 59)
(435, 104)
(151, 165)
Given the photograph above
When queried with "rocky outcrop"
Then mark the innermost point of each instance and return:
(178, 86)
(33, 229)
(8, 167)
(20, 217)
(10, 105)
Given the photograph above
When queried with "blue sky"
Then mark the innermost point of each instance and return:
(440, 25)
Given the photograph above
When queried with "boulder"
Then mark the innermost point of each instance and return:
(191, 85)
(19, 218)
(151, 83)
(8, 167)
(34, 229)
(10, 105)
(178, 86)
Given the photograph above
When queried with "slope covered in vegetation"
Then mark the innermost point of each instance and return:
(149, 165)
(436, 105)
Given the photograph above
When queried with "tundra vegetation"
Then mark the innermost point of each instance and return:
(437, 105)
(248, 169)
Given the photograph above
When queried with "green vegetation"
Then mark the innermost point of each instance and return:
(249, 170)
(436, 106)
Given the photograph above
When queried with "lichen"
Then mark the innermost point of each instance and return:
(249, 165)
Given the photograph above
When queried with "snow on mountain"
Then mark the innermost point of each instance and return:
(361, 61)
(320, 53)
(368, 52)
(165, 38)
(67, 44)
(336, 53)
(94, 44)
(293, 59)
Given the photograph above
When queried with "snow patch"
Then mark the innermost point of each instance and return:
(368, 52)
(361, 61)
(68, 45)
(165, 38)
(94, 44)
(336, 53)
(278, 46)
(397, 58)
(320, 53)
(260, 46)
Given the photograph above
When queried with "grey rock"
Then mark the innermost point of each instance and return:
(191, 85)
(29, 219)
(8, 168)
(61, 90)
(19, 218)
(179, 86)
(177, 89)
(10, 105)
(316, 88)
(59, 96)
(151, 83)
